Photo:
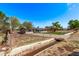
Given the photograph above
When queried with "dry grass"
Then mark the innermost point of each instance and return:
(25, 39)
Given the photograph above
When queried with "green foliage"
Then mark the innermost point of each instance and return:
(73, 24)
(2, 15)
(28, 25)
(15, 23)
(8, 22)
(56, 26)
(5, 24)
(21, 26)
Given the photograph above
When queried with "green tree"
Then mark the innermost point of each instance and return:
(2, 15)
(5, 24)
(28, 25)
(2, 18)
(73, 24)
(4, 28)
(56, 26)
(21, 26)
(15, 23)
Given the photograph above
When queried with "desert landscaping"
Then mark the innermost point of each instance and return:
(39, 30)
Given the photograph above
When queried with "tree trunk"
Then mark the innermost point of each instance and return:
(54, 30)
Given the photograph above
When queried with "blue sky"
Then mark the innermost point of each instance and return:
(42, 14)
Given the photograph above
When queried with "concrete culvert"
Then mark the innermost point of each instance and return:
(59, 39)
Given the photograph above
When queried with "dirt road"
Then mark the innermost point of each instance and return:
(74, 36)
(31, 49)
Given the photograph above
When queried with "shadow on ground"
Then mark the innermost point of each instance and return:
(74, 54)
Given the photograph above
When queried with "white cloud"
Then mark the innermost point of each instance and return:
(71, 5)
